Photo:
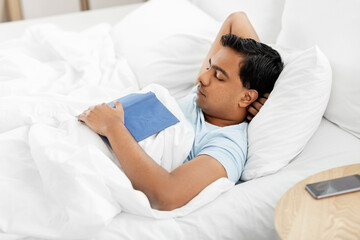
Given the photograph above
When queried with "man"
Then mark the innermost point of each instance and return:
(217, 110)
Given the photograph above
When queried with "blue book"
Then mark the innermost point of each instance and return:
(144, 115)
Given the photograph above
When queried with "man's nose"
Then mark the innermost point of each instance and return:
(204, 79)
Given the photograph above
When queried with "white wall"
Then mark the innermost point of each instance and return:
(95, 4)
(43, 8)
(2, 11)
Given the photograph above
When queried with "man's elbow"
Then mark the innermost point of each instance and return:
(166, 201)
(238, 15)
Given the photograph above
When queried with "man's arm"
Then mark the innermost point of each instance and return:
(165, 191)
(238, 24)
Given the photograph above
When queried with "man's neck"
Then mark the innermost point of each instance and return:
(222, 122)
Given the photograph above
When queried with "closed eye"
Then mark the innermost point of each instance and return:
(218, 69)
(218, 78)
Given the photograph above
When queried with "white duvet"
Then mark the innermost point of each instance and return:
(58, 179)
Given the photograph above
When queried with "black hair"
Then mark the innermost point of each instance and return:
(261, 65)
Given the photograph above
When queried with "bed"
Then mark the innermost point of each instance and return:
(310, 123)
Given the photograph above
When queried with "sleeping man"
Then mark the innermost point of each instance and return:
(237, 70)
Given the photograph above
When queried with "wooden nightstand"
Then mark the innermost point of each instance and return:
(299, 216)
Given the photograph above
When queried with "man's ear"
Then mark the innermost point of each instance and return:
(248, 98)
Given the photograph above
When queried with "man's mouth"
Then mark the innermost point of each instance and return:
(200, 92)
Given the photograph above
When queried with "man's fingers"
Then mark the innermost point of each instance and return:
(82, 116)
(263, 99)
(256, 105)
(252, 110)
(117, 104)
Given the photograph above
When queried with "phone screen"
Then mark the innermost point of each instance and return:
(334, 186)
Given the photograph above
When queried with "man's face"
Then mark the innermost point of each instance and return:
(220, 87)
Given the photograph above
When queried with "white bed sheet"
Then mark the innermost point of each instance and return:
(247, 210)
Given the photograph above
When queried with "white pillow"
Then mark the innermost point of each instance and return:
(265, 15)
(166, 42)
(291, 114)
(335, 27)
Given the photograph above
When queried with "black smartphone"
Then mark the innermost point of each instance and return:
(334, 186)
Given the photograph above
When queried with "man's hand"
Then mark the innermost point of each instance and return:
(254, 108)
(101, 118)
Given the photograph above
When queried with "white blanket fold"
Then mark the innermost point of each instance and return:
(58, 179)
